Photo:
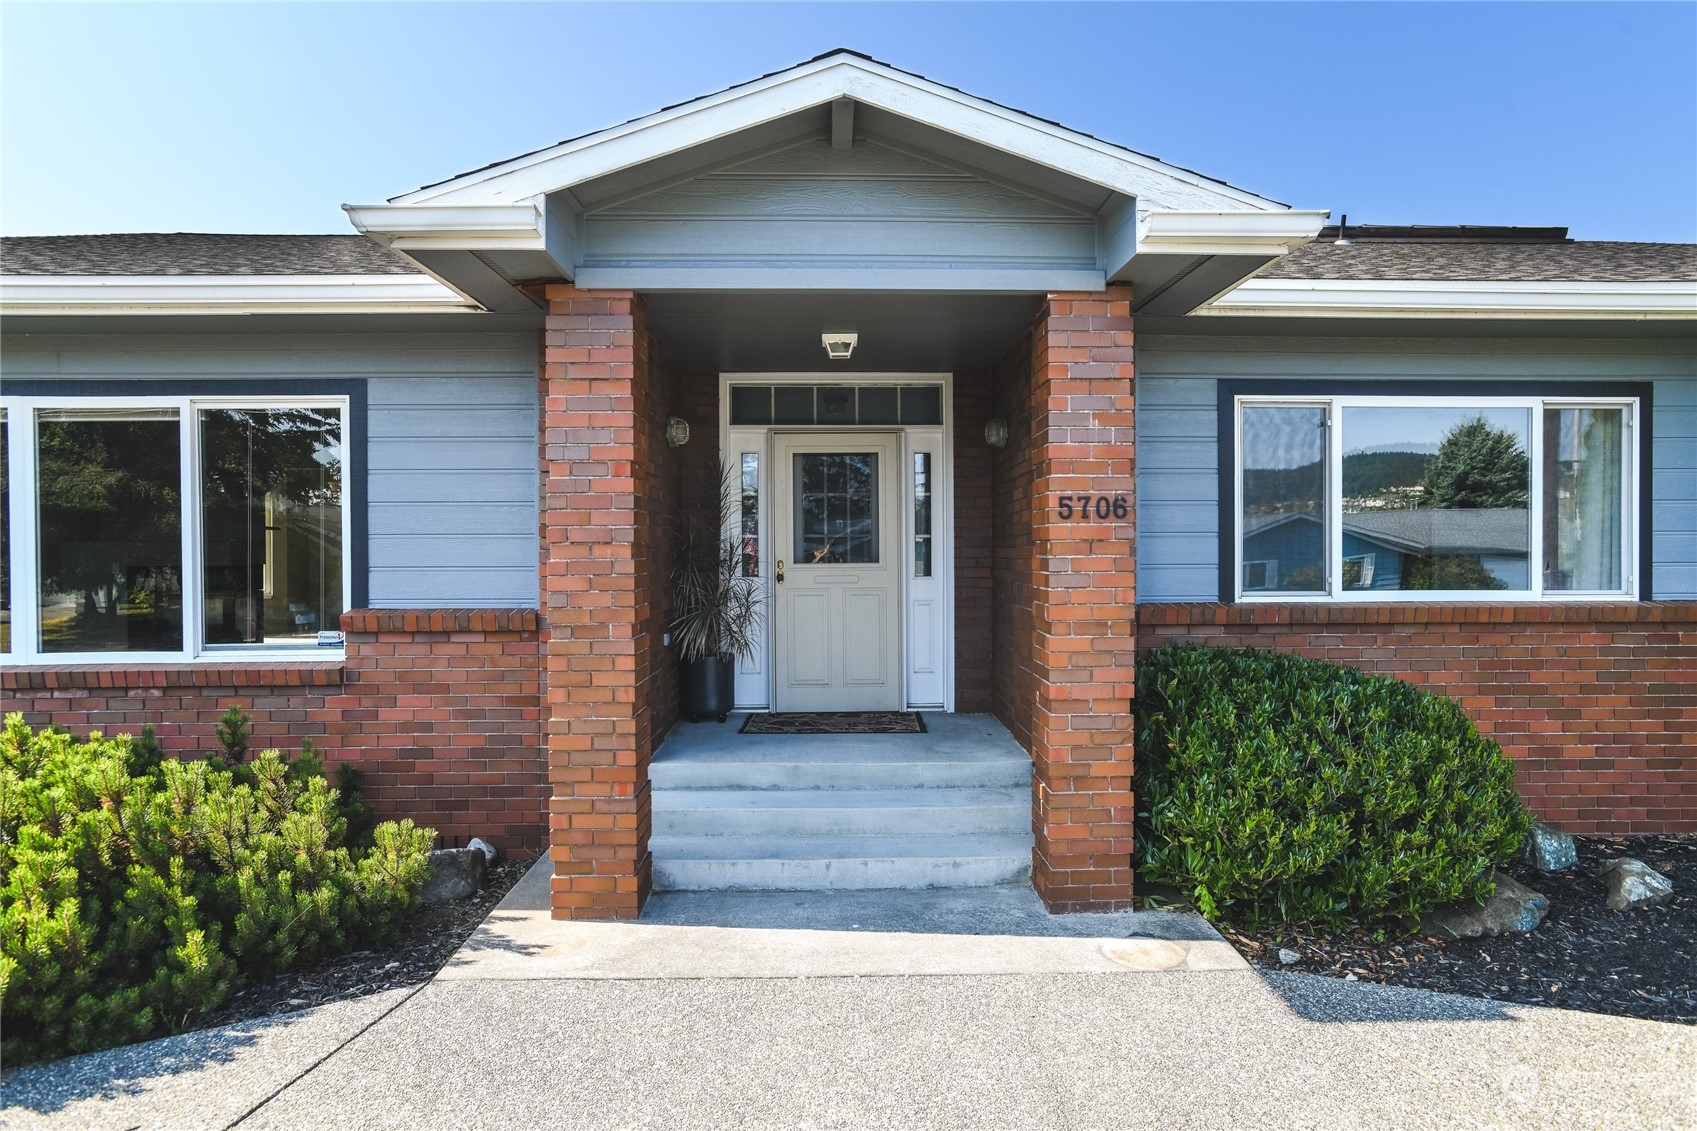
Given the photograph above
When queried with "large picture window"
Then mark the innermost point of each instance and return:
(1419, 498)
(172, 527)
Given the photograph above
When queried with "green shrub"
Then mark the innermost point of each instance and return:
(1276, 787)
(137, 894)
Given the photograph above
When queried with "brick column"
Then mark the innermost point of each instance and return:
(599, 515)
(1083, 601)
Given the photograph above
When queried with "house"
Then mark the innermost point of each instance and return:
(410, 491)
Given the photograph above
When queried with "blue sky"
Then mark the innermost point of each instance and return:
(266, 118)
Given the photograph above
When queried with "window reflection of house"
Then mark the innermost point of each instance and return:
(1379, 547)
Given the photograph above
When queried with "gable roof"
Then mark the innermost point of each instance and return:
(824, 79)
(197, 253)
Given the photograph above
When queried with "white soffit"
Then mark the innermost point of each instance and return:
(837, 76)
(1414, 298)
(227, 294)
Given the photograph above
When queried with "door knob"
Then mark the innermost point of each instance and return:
(780, 571)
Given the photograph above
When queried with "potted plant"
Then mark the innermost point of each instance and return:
(717, 611)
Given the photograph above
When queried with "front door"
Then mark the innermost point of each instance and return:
(837, 608)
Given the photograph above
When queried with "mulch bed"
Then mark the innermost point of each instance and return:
(426, 942)
(1583, 956)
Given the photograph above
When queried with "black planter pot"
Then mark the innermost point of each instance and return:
(709, 688)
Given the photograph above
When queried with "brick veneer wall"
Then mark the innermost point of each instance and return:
(1063, 679)
(439, 708)
(610, 690)
(974, 543)
(1597, 704)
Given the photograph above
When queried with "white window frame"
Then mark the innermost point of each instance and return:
(25, 531)
(1333, 405)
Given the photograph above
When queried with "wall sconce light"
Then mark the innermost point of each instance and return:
(677, 431)
(996, 433)
(838, 346)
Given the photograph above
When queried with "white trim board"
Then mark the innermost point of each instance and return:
(1413, 298)
(755, 674)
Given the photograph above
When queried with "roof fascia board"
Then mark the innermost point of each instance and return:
(227, 294)
(813, 84)
(985, 280)
(1410, 298)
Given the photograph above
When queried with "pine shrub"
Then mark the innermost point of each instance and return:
(1272, 787)
(139, 891)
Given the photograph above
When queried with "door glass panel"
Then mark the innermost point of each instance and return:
(109, 496)
(836, 508)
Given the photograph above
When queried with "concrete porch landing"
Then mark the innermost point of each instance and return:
(949, 808)
(968, 931)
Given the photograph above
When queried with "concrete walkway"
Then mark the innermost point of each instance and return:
(889, 1024)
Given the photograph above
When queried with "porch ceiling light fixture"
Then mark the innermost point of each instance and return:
(996, 432)
(838, 346)
(677, 431)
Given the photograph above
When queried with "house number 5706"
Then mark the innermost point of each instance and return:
(1086, 508)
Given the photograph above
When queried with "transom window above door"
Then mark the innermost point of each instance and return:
(1382, 498)
(833, 405)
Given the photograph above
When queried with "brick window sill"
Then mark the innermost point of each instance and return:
(1482, 612)
(53, 677)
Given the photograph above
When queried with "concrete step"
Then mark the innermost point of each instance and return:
(820, 863)
(822, 767)
(841, 812)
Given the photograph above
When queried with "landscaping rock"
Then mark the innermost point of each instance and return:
(1548, 850)
(1289, 957)
(1633, 884)
(1513, 907)
(454, 874)
(489, 851)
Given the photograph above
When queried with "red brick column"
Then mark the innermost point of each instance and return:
(604, 496)
(1083, 600)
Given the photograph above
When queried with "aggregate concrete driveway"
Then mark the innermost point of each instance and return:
(1070, 1042)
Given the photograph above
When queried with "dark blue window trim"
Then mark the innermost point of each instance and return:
(1228, 390)
(354, 390)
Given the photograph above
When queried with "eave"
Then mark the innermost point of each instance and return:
(227, 294)
(1478, 299)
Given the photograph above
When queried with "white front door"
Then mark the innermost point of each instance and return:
(837, 572)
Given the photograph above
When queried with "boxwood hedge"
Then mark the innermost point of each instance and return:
(1272, 787)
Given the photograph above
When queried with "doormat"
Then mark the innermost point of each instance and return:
(835, 722)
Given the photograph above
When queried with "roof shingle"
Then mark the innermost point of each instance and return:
(1473, 261)
(198, 253)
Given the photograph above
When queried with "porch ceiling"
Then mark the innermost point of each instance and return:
(779, 332)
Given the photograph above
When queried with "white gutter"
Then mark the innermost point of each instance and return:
(452, 227)
(1168, 231)
(227, 294)
(1413, 298)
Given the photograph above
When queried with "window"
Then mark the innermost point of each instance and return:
(171, 527)
(1417, 498)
